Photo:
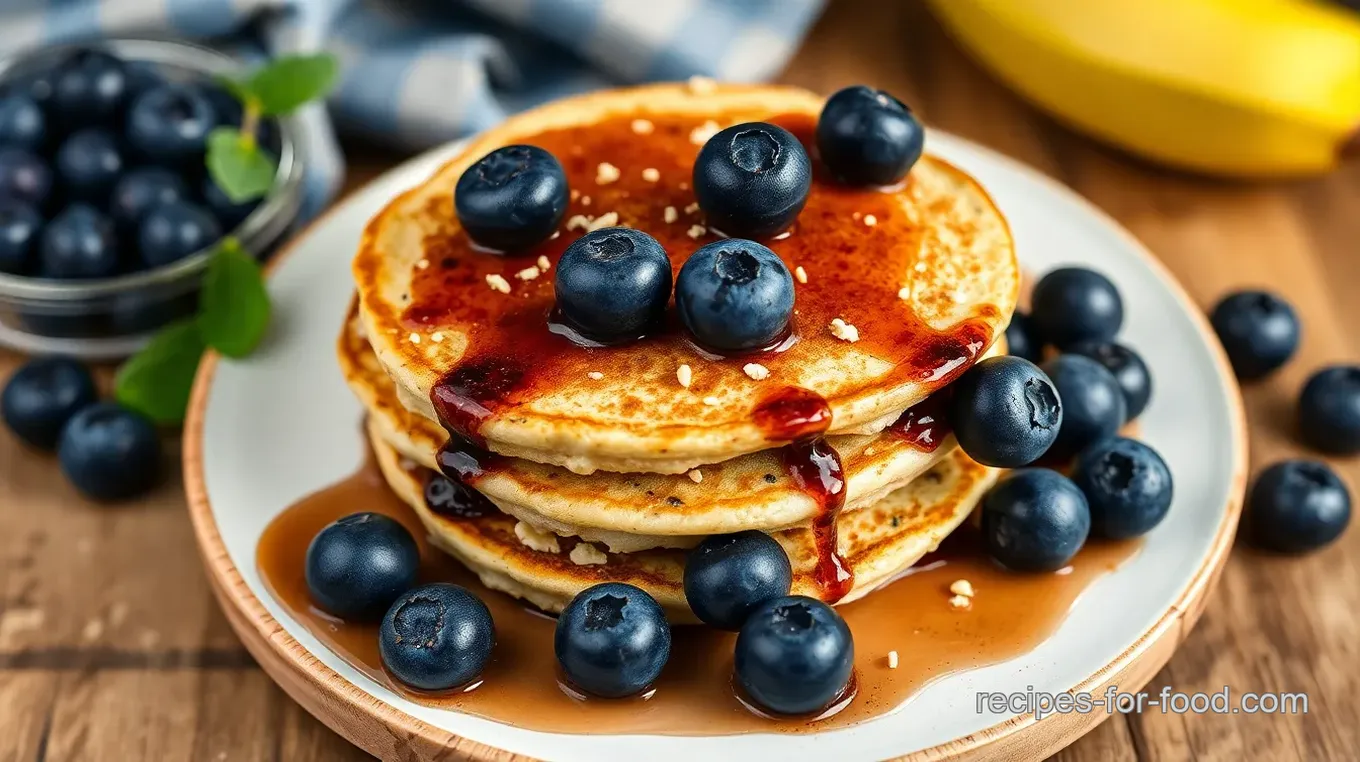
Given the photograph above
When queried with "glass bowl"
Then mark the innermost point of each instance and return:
(109, 318)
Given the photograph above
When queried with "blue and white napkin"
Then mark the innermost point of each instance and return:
(420, 72)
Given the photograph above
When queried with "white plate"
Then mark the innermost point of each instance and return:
(283, 424)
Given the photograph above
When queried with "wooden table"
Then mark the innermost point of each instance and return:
(112, 648)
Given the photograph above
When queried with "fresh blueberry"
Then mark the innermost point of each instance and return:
(1259, 332)
(90, 87)
(39, 84)
(612, 640)
(728, 575)
(79, 243)
(1127, 486)
(41, 397)
(1329, 410)
(752, 180)
(225, 105)
(142, 76)
(613, 284)
(436, 637)
(25, 177)
(357, 565)
(1128, 370)
(140, 191)
(512, 198)
(1034, 519)
(171, 232)
(1074, 304)
(109, 452)
(20, 228)
(170, 124)
(1005, 412)
(1020, 339)
(794, 656)
(1297, 506)
(88, 164)
(735, 295)
(1093, 403)
(868, 137)
(228, 212)
(22, 124)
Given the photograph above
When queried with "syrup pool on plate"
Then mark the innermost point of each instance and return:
(1009, 615)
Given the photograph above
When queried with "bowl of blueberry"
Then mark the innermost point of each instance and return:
(108, 216)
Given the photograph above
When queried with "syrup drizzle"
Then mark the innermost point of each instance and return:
(815, 466)
(515, 356)
(924, 425)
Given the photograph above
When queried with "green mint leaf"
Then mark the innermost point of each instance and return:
(157, 380)
(239, 166)
(233, 307)
(288, 82)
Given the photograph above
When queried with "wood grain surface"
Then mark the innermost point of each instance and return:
(113, 648)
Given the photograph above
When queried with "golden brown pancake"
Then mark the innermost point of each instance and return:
(877, 542)
(924, 272)
(629, 512)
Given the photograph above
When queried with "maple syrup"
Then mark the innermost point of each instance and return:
(1009, 615)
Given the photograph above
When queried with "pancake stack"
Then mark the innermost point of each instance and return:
(547, 464)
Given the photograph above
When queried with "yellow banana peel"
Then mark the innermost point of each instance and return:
(1226, 87)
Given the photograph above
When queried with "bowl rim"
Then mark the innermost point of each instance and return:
(282, 200)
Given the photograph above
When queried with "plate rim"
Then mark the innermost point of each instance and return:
(337, 702)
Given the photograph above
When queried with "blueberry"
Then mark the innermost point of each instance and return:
(170, 124)
(229, 213)
(512, 198)
(140, 191)
(1297, 506)
(39, 84)
(1329, 410)
(171, 232)
(1093, 403)
(794, 656)
(727, 576)
(1128, 369)
(25, 177)
(41, 397)
(1005, 412)
(109, 452)
(735, 295)
(1259, 332)
(868, 137)
(1020, 339)
(22, 124)
(20, 228)
(612, 640)
(79, 243)
(613, 284)
(359, 564)
(1034, 519)
(436, 637)
(142, 76)
(90, 87)
(225, 105)
(752, 180)
(1127, 486)
(1074, 304)
(88, 164)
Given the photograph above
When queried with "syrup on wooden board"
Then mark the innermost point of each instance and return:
(1009, 615)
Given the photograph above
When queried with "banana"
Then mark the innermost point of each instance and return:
(1243, 88)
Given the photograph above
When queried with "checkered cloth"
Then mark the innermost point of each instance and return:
(420, 72)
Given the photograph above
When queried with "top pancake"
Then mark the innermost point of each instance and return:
(929, 286)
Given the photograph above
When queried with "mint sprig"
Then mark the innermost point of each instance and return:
(233, 308)
(240, 167)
